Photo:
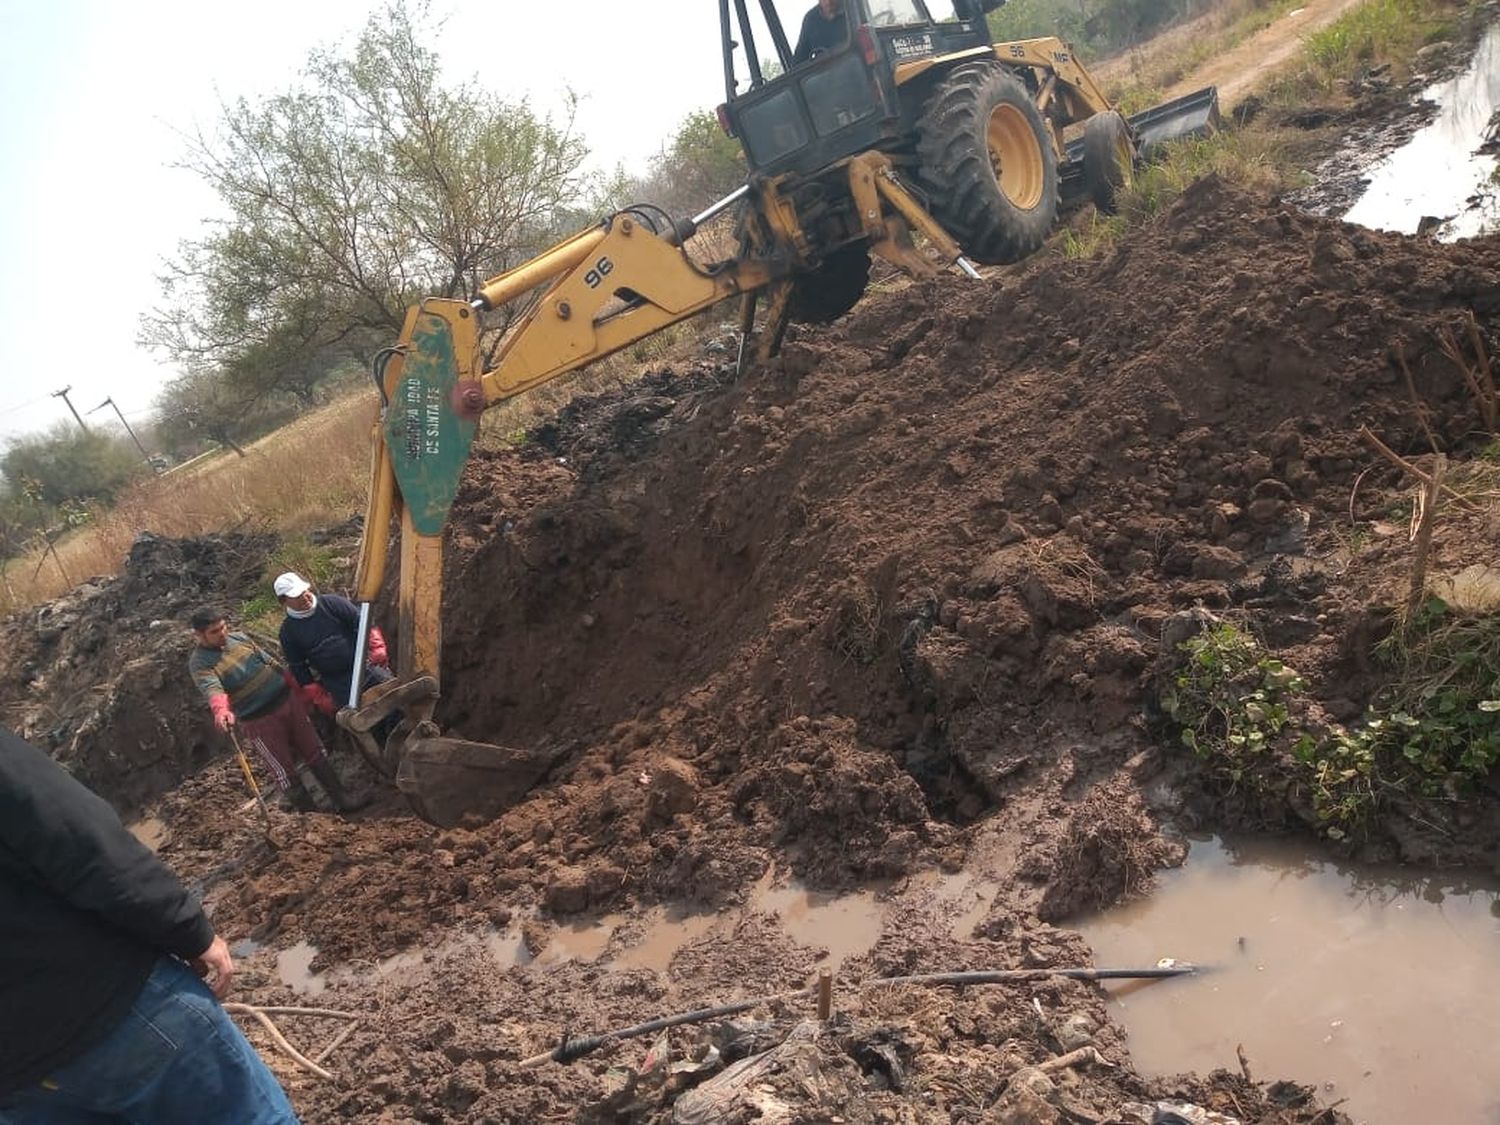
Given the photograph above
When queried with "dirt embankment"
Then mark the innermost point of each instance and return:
(888, 605)
(99, 677)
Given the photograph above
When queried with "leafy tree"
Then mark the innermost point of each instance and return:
(67, 465)
(369, 186)
(1099, 26)
(201, 406)
(20, 520)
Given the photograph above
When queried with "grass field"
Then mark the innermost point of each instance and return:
(312, 473)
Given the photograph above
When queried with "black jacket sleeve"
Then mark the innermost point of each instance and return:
(58, 835)
(341, 610)
(295, 652)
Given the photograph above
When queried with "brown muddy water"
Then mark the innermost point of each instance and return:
(1374, 984)
(1441, 173)
(841, 926)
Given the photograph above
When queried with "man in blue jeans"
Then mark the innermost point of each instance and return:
(103, 1015)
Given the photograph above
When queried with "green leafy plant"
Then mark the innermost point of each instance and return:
(1442, 712)
(1240, 711)
(1434, 731)
(1229, 700)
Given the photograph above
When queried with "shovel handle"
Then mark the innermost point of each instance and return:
(239, 752)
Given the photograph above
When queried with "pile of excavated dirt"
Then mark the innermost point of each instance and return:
(883, 609)
(99, 677)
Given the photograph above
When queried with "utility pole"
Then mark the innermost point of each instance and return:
(146, 457)
(63, 394)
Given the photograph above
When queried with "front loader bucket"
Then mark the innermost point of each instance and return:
(1192, 115)
(448, 781)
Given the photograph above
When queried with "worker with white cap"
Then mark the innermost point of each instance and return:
(318, 637)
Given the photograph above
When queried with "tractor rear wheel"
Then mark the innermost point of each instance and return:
(834, 288)
(1108, 159)
(988, 164)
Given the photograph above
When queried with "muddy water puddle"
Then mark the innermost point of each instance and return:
(964, 898)
(843, 926)
(1373, 985)
(1440, 172)
(294, 967)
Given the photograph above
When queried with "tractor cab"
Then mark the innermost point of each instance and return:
(803, 116)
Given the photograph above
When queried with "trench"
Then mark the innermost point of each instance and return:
(1373, 984)
(1443, 179)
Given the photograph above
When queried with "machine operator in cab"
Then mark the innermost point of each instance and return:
(823, 29)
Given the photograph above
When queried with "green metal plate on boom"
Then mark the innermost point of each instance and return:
(426, 429)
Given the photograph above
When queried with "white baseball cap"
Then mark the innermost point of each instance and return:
(290, 585)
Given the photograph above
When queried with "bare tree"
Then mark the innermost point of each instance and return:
(369, 186)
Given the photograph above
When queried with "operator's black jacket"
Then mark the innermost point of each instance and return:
(85, 912)
(819, 34)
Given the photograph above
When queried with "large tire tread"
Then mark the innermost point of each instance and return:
(833, 288)
(1106, 138)
(958, 177)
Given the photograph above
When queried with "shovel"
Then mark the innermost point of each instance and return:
(265, 811)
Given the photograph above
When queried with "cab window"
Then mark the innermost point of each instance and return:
(888, 13)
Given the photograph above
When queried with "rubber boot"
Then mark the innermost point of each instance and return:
(328, 778)
(298, 796)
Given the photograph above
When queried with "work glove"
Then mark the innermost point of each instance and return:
(316, 695)
(223, 714)
(377, 652)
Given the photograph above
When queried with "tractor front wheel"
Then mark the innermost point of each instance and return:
(987, 163)
(1108, 159)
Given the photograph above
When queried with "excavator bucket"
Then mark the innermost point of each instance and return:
(448, 781)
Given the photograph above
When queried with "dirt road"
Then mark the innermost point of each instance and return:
(1239, 70)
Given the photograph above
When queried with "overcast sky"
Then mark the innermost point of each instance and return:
(96, 93)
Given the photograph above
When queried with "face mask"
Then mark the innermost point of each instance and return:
(301, 614)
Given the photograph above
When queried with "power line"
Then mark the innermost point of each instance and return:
(24, 405)
(146, 457)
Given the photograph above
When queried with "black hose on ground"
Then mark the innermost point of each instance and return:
(1002, 976)
(571, 1049)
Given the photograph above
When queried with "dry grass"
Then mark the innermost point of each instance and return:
(305, 475)
(310, 474)
(1146, 75)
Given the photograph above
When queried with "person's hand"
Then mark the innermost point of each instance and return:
(377, 653)
(215, 966)
(316, 695)
(223, 713)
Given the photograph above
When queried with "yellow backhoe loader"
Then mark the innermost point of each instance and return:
(909, 125)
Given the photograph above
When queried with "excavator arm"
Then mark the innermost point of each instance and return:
(606, 288)
(602, 289)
